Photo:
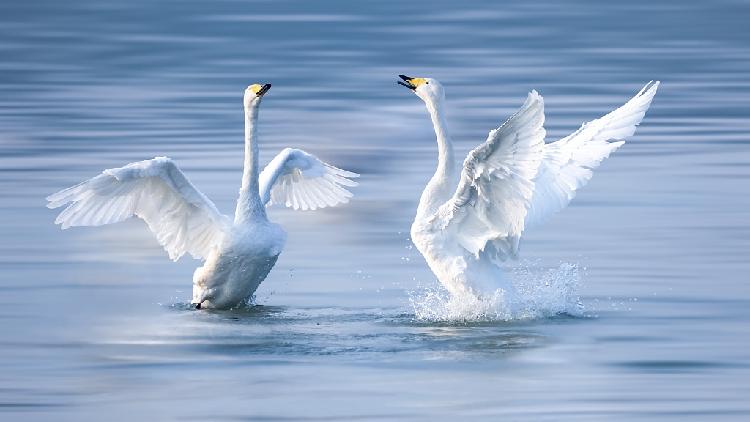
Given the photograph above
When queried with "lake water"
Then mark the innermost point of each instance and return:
(94, 320)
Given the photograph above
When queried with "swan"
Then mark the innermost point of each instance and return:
(238, 254)
(468, 222)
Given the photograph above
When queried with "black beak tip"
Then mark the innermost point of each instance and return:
(406, 84)
(404, 77)
(264, 89)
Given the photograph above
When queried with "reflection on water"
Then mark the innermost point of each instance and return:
(93, 318)
(357, 334)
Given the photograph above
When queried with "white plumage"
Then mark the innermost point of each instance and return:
(496, 184)
(182, 219)
(238, 255)
(301, 181)
(568, 164)
(466, 223)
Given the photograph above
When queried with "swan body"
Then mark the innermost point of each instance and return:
(471, 219)
(234, 270)
(238, 254)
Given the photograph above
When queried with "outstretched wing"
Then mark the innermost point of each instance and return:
(302, 181)
(181, 217)
(490, 203)
(568, 163)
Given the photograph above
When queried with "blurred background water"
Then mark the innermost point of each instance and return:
(93, 320)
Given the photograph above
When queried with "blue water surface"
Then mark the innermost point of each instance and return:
(94, 322)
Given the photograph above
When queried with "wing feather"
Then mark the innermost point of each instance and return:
(490, 203)
(302, 181)
(181, 218)
(568, 163)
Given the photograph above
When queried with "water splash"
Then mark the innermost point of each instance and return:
(541, 293)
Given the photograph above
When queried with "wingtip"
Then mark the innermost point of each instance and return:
(650, 88)
(615, 145)
(58, 198)
(534, 98)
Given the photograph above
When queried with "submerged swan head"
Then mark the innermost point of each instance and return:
(254, 93)
(428, 89)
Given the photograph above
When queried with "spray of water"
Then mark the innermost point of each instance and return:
(541, 293)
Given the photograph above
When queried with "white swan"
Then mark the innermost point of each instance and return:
(468, 222)
(238, 255)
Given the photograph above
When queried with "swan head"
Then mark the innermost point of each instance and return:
(428, 89)
(254, 93)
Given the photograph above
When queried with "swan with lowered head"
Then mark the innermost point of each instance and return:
(238, 254)
(471, 219)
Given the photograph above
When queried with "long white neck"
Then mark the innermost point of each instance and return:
(441, 186)
(249, 206)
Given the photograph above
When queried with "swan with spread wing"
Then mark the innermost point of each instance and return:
(238, 254)
(471, 219)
